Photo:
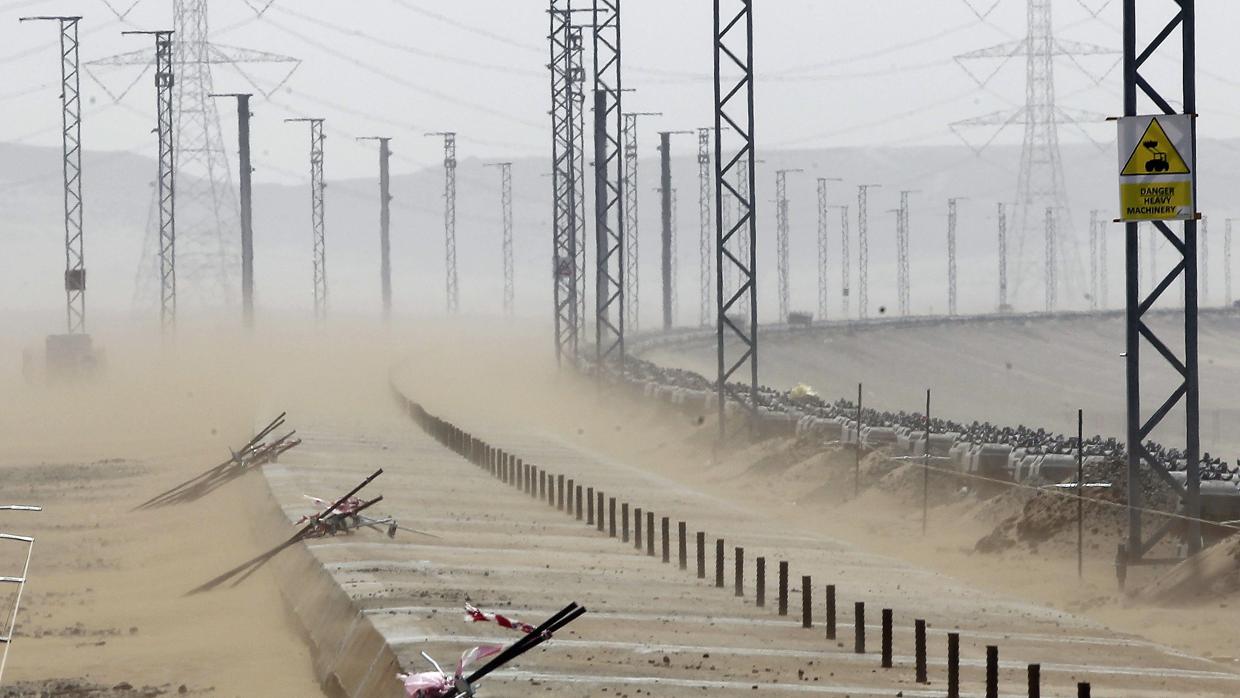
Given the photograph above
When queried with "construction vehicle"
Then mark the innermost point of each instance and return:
(1159, 162)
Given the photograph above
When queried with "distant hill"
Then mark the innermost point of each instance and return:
(118, 205)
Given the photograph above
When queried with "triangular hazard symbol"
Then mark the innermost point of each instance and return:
(1155, 154)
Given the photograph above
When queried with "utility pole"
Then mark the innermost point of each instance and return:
(951, 255)
(449, 217)
(609, 186)
(668, 243)
(675, 254)
(863, 244)
(505, 171)
(1049, 272)
(902, 249)
(317, 221)
(71, 165)
(845, 261)
(385, 221)
(823, 252)
(1093, 259)
(704, 221)
(632, 242)
(1003, 280)
(245, 172)
(781, 237)
(167, 177)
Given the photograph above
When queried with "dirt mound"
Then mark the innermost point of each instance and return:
(1202, 578)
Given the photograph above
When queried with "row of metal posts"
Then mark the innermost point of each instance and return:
(571, 497)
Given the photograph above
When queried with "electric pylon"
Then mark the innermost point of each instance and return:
(863, 248)
(1049, 272)
(732, 46)
(781, 237)
(207, 206)
(824, 254)
(71, 165)
(902, 250)
(167, 178)
(449, 218)
(385, 221)
(1040, 181)
(609, 185)
(318, 227)
(951, 255)
(1204, 285)
(1003, 248)
(245, 171)
(567, 181)
(704, 221)
(1093, 259)
(1227, 262)
(632, 241)
(845, 262)
(505, 170)
(1182, 89)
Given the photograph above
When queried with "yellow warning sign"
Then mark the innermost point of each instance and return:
(1155, 154)
(1157, 181)
(1155, 202)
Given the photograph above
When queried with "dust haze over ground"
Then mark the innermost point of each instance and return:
(107, 605)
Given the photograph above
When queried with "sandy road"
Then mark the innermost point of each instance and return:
(653, 628)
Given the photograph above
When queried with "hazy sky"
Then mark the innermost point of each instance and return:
(831, 73)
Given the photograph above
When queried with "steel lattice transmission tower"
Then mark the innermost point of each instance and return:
(632, 241)
(845, 262)
(1184, 367)
(1049, 272)
(1040, 181)
(1204, 286)
(824, 254)
(706, 229)
(449, 218)
(505, 203)
(781, 238)
(318, 228)
(165, 128)
(732, 47)
(566, 184)
(208, 245)
(71, 142)
(1001, 220)
(1093, 260)
(863, 249)
(952, 205)
(1227, 262)
(902, 252)
(609, 186)
(743, 180)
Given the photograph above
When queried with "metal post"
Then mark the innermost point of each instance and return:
(632, 236)
(1050, 264)
(863, 245)
(845, 262)
(781, 239)
(925, 471)
(565, 76)
(1186, 367)
(951, 255)
(1093, 259)
(1003, 281)
(738, 564)
(734, 109)
(385, 221)
(1080, 494)
(857, 449)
